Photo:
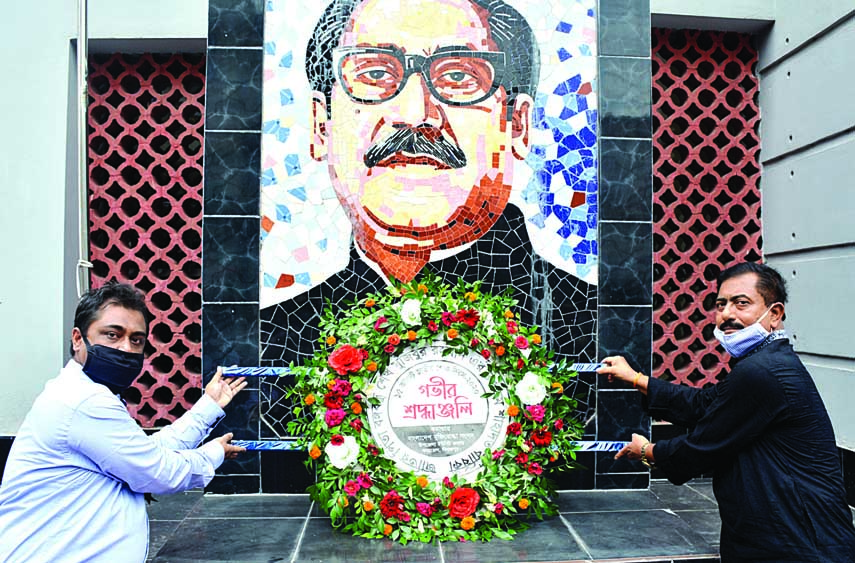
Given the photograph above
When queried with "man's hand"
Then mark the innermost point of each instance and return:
(222, 390)
(617, 368)
(231, 451)
(633, 449)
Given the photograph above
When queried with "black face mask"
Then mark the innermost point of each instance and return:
(114, 368)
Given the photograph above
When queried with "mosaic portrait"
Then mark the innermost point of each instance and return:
(400, 137)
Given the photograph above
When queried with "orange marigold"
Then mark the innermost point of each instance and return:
(309, 400)
(535, 339)
(422, 287)
(315, 452)
(470, 296)
(330, 340)
(371, 366)
(452, 333)
(330, 384)
(355, 408)
(411, 335)
(558, 387)
(368, 506)
(422, 481)
(370, 302)
(387, 529)
(467, 523)
(509, 315)
(523, 502)
(513, 410)
(500, 350)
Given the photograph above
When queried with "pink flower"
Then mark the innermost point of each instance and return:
(486, 353)
(499, 508)
(380, 325)
(559, 424)
(448, 318)
(334, 417)
(425, 509)
(473, 342)
(364, 480)
(447, 482)
(536, 412)
(432, 326)
(341, 387)
(535, 469)
(512, 327)
(389, 349)
(521, 342)
(521, 458)
(356, 424)
(497, 454)
(351, 488)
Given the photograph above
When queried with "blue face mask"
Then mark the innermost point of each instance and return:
(739, 343)
(116, 369)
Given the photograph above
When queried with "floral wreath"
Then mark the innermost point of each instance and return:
(367, 494)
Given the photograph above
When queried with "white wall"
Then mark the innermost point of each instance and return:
(807, 88)
(38, 174)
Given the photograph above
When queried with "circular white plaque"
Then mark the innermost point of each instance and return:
(432, 418)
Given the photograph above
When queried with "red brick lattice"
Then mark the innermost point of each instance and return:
(706, 190)
(145, 212)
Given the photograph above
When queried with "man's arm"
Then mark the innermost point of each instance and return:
(102, 431)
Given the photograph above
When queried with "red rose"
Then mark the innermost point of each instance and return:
(432, 326)
(463, 502)
(485, 353)
(514, 428)
(389, 349)
(345, 359)
(394, 340)
(333, 400)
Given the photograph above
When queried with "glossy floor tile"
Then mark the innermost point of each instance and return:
(663, 524)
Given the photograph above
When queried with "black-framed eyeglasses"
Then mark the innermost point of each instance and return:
(459, 77)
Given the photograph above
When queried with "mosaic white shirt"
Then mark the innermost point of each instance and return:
(73, 486)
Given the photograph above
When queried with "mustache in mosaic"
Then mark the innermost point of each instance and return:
(420, 140)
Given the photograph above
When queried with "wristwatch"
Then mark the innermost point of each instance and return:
(644, 460)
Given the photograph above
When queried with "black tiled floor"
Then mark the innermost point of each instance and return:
(664, 524)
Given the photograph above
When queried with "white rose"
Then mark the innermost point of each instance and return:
(411, 312)
(530, 390)
(344, 455)
(488, 322)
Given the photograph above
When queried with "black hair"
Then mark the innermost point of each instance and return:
(93, 301)
(508, 29)
(770, 284)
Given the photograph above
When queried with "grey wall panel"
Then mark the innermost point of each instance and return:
(797, 22)
(821, 305)
(809, 97)
(835, 381)
(809, 198)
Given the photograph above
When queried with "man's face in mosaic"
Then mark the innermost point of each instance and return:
(419, 144)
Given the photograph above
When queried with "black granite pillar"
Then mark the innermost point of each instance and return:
(625, 238)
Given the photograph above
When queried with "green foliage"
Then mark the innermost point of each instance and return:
(512, 480)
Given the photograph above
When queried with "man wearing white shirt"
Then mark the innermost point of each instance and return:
(74, 484)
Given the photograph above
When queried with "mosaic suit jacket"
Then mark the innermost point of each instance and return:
(561, 304)
(766, 436)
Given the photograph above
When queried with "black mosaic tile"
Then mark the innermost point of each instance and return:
(236, 23)
(285, 472)
(625, 97)
(578, 479)
(233, 90)
(229, 335)
(322, 543)
(230, 259)
(253, 506)
(5, 446)
(626, 180)
(624, 27)
(232, 164)
(233, 484)
(173, 507)
(848, 459)
(620, 415)
(273, 539)
(637, 533)
(542, 542)
(626, 331)
(610, 481)
(626, 264)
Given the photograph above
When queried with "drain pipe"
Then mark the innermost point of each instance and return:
(83, 263)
